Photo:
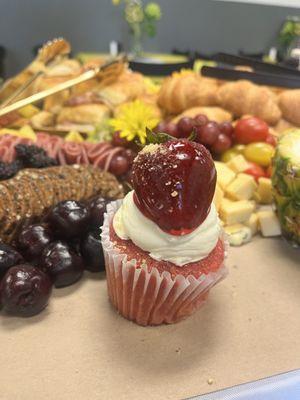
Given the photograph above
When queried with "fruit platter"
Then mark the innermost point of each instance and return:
(149, 233)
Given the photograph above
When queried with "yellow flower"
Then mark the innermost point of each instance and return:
(116, 2)
(133, 119)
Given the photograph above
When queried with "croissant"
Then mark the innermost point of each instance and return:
(243, 97)
(289, 103)
(185, 90)
(213, 114)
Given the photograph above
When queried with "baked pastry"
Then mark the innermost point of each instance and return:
(163, 245)
(83, 117)
(217, 114)
(127, 87)
(283, 125)
(32, 191)
(185, 90)
(243, 97)
(289, 103)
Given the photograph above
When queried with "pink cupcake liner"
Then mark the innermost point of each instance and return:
(151, 298)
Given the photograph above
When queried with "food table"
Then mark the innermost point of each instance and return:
(80, 348)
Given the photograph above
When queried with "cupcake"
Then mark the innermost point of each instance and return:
(163, 245)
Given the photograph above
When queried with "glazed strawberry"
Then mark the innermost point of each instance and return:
(174, 184)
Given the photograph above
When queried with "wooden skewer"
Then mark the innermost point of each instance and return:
(111, 67)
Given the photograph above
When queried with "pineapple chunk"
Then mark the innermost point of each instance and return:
(238, 234)
(28, 111)
(238, 163)
(236, 212)
(252, 223)
(27, 132)
(242, 188)
(269, 223)
(219, 194)
(263, 195)
(224, 174)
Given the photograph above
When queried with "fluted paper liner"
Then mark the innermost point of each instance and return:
(151, 298)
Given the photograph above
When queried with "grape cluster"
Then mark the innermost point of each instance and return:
(216, 137)
(54, 251)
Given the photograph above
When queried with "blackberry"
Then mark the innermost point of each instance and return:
(8, 170)
(34, 156)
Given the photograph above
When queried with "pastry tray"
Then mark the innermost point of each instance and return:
(79, 348)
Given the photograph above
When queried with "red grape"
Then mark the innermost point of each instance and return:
(226, 128)
(185, 126)
(118, 141)
(119, 165)
(130, 155)
(161, 127)
(208, 133)
(172, 130)
(201, 120)
(222, 144)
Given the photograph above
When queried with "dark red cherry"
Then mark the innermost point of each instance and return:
(92, 252)
(33, 239)
(25, 290)
(8, 258)
(69, 218)
(62, 264)
(97, 207)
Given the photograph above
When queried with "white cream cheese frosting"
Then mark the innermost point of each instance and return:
(130, 223)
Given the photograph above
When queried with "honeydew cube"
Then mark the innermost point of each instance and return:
(252, 223)
(236, 212)
(219, 194)
(238, 234)
(225, 175)
(263, 194)
(242, 188)
(238, 163)
(268, 222)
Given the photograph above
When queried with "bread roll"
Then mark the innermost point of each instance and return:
(243, 97)
(289, 103)
(213, 114)
(182, 91)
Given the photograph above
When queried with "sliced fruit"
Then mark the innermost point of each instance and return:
(242, 188)
(269, 223)
(27, 132)
(238, 163)
(252, 223)
(236, 212)
(264, 195)
(238, 234)
(28, 111)
(219, 194)
(224, 174)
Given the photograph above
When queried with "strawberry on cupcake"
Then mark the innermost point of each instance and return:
(163, 243)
